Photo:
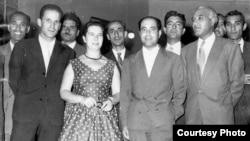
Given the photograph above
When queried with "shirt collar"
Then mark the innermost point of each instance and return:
(71, 45)
(210, 39)
(11, 45)
(153, 50)
(175, 48)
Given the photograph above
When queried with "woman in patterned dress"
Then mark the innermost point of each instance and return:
(90, 114)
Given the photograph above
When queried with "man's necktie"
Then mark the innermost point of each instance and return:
(119, 59)
(201, 58)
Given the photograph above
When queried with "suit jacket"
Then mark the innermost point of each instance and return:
(153, 101)
(33, 88)
(1, 97)
(79, 49)
(110, 55)
(8, 96)
(211, 99)
(242, 110)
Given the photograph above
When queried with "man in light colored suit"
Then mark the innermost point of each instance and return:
(18, 26)
(235, 26)
(153, 88)
(70, 30)
(174, 27)
(215, 73)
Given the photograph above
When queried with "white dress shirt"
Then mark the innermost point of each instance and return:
(207, 46)
(47, 48)
(241, 43)
(149, 56)
(123, 51)
(175, 48)
(71, 45)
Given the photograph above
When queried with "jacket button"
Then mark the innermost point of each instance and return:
(40, 99)
(44, 73)
(45, 86)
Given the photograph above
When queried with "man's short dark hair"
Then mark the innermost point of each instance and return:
(52, 7)
(116, 21)
(236, 13)
(20, 13)
(72, 16)
(174, 14)
(158, 22)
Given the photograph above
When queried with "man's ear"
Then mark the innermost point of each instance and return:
(125, 33)
(39, 22)
(78, 32)
(165, 30)
(183, 31)
(9, 28)
(84, 39)
(108, 37)
(244, 26)
(160, 31)
(28, 29)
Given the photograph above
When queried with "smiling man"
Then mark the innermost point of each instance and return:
(36, 69)
(152, 87)
(18, 26)
(70, 30)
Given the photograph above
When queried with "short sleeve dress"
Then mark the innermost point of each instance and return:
(90, 124)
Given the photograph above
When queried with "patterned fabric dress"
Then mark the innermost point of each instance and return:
(90, 124)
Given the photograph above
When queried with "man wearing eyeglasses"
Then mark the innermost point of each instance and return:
(18, 27)
(71, 25)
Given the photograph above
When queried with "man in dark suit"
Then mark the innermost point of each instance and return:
(71, 26)
(116, 33)
(152, 88)
(174, 27)
(36, 69)
(235, 26)
(19, 25)
(215, 73)
(1, 97)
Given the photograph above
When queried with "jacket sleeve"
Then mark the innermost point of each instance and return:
(236, 73)
(179, 82)
(15, 66)
(125, 93)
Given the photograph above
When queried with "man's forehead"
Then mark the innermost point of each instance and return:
(174, 19)
(115, 25)
(234, 18)
(18, 17)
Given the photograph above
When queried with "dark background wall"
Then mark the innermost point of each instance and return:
(129, 11)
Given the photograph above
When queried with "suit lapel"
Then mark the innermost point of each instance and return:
(140, 65)
(37, 52)
(159, 63)
(213, 57)
(55, 54)
(193, 61)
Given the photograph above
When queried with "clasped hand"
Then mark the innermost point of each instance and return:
(91, 102)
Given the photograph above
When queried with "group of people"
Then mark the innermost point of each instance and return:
(60, 90)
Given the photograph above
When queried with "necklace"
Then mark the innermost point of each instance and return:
(93, 58)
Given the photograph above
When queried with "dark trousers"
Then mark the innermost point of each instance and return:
(39, 129)
(163, 133)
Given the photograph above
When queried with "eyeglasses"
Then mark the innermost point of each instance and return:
(65, 27)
